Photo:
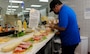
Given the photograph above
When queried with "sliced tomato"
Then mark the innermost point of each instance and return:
(37, 38)
(19, 49)
(29, 43)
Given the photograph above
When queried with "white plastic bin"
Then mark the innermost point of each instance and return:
(83, 46)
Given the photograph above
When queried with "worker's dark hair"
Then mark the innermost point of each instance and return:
(53, 3)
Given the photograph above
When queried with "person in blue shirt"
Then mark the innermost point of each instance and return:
(67, 26)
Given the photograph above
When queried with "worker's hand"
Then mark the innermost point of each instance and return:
(57, 33)
(51, 26)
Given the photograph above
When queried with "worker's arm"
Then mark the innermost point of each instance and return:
(57, 27)
(63, 22)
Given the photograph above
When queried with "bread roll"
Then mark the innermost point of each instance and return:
(10, 47)
(42, 31)
(37, 34)
(26, 39)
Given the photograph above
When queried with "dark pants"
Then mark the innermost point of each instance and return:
(69, 49)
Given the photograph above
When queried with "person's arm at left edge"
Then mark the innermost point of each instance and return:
(63, 22)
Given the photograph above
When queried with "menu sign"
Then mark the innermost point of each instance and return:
(87, 13)
(34, 18)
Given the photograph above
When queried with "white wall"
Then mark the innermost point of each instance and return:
(43, 12)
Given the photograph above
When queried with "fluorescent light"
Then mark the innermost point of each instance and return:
(9, 11)
(26, 11)
(28, 8)
(12, 9)
(35, 5)
(13, 6)
(12, 1)
(43, 0)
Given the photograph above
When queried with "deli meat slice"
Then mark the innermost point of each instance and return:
(25, 43)
(37, 38)
(24, 46)
(28, 43)
(44, 34)
(19, 49)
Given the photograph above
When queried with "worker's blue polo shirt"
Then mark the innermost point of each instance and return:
(67, 20)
